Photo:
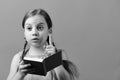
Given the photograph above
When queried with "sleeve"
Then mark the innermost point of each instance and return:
(67, 71)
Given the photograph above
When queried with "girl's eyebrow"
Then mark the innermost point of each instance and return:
(27, 24)
(40, 23)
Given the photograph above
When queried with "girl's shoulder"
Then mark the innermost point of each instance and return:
(64, 54)
(17, 56)
(14, 64)
(15, 61)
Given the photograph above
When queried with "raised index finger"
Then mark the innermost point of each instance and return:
(50, 40)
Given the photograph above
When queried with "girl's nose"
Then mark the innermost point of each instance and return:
(35, 32)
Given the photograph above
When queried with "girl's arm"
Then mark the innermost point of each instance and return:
(67, 71)
(60, 71)
(13, 74)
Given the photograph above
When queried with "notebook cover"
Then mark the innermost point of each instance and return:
(49, 63)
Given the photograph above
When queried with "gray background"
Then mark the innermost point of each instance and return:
(89, 31)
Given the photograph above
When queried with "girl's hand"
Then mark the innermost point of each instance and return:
(23, 68)
(50, 49)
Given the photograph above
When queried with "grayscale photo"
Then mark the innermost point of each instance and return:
(60, 40)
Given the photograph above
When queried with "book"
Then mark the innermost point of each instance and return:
(42, 66)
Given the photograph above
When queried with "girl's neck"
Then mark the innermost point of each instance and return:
(36, 51)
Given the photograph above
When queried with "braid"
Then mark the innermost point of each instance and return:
(24, 49)
(72, 69)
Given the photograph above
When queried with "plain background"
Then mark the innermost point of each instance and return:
(89, 31)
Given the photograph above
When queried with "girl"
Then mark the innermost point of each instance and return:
(37, 27)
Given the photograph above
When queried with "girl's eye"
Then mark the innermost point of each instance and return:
(40, 27)
(29, 28)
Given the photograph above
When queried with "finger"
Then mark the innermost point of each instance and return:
(49, 50)
(50, 39)
(31, 70)
(50, 47)
(24, 66)
(24, 70)
(22, 62)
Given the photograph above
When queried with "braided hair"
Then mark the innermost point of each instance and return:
(24, 50)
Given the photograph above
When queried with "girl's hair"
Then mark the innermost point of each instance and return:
(38, 12)
(34, 12)
(72, 70)
(24, 50)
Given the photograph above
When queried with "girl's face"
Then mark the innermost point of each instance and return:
(36, 31)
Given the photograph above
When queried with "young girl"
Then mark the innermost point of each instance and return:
(37, 27)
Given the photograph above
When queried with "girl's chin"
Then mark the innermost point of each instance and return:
(36, 45)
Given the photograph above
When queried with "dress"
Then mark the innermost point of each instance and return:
(38, 77)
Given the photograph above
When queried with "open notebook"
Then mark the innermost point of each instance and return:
(42, 66)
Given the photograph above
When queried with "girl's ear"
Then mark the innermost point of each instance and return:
(50, 31)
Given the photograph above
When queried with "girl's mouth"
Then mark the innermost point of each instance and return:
(35, 39)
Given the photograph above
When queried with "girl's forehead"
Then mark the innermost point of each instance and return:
(35, 19)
